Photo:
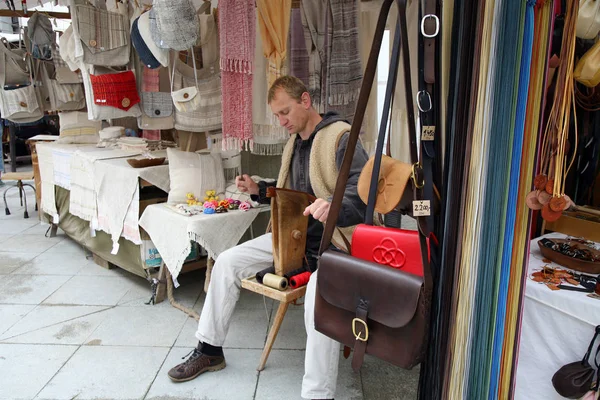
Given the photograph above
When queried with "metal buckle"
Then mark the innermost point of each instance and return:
(437, 25)
(419, 94)
(413, 175)
(358, 336)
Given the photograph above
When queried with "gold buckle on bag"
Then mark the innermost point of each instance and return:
(358, 336)
(413, 175)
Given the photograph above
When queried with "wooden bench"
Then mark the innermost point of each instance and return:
(284, 297)
(19, 177)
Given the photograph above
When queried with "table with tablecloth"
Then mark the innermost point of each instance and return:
(172, 232)
(557, 328)
(104, 190)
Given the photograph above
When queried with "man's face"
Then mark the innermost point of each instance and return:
(292, 114)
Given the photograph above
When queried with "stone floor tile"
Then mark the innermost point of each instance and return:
(29, 289)
(139, 326)
(10, 314)
(29, 244)
(106, 372)
(11, 261)
(286, 368)
(53, 264)
(68, 246)
(92, 290)
(56, 325)
(237, 381)
(30, 367)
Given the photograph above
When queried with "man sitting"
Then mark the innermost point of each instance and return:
(310, 163)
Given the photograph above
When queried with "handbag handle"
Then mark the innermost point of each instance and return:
(361, 107)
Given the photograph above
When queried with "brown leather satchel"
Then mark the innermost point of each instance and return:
(371, 307)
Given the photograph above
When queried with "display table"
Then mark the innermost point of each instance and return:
(95, 196)
(557, 328)
(172, 232)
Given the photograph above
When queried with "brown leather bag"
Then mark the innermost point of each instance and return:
(370, 307)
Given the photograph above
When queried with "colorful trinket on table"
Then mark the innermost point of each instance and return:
(221, 209)
(233, 206)
(224, 203)
(209, 210)
(211, 195)
(245, 206)
(192, 200)
(208, 204)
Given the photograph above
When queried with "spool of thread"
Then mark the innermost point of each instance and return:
(275, 281)
(299, 280)
(261, 274)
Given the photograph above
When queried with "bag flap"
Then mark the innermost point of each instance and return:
(184, 95)
(101, 30)
(157, 104)
(392, 295)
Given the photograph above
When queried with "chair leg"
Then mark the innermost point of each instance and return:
(25, 194)
(6, 210)
(283, 306)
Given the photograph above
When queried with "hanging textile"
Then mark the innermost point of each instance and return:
(269, 137)
(274, 25)
(298, 54)
(313, 13)
(237, 27)
(344, 72)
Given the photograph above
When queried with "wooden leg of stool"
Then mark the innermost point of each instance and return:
(209, 267)
(283, 306)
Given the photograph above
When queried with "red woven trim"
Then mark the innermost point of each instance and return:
(115, 90)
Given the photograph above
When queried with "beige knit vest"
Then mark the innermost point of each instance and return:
(323, 171)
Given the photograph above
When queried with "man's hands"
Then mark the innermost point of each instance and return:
(319, 210)
(245, 184)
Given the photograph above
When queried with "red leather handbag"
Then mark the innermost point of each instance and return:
(396, 248)
(117, 90)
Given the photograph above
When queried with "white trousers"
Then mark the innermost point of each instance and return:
(243, 261)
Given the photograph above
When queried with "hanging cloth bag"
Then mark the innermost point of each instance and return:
(363, 304)
(19, 103)
(588, 19)
(61, 97)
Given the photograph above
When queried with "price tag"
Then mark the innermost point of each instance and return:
(421, 208)
(428, 133)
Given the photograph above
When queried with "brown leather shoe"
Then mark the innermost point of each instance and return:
(195, 365)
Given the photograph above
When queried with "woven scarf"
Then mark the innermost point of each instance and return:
(298, 54)
(150, 83)
(345, 71)
(274, 25)
(269, 137)
(237, 26)
(313, 13)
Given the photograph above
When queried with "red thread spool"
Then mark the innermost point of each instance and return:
(299, 280)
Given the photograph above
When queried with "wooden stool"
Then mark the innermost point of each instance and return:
(19, 177)
(285, 297)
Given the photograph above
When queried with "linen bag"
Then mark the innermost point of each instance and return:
(41, 36)
(59, 96)
(117, 96)
(19, 103)
(75, 127)
(104, 34)
(62, 72)
(16, 71)
(197, 96)
(157, 105)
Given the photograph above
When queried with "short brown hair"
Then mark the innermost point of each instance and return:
(292, 86)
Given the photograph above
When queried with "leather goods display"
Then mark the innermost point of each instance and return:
(575, 379)
(104, 35)
(289, 227)
(392, 186)
(587, 70)
(117, 90)
(368, 306)
(588, 19)
(396, 248)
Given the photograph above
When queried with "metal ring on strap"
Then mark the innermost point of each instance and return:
(413, 175)
(437, 25)
(419, 93)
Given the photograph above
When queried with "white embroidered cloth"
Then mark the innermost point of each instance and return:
(171, 232)
(44, 152)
